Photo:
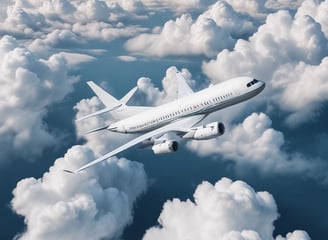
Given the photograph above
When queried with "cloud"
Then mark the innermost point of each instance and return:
(91, 20)
(253, 143)
(301, 235)
(317, 10)
(27, 86)
(182, 37)
(227, 210)
(303, 90)
(155, 96)
(95, 204)
(157, 5)
(127, 58)
(283, 42)
(226, 17)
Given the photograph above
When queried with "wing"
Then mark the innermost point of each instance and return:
(181, 125)
(183, 87)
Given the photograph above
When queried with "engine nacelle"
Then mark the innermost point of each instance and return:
(165, 147)
(208, 131)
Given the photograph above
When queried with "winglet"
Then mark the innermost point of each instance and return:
(183, 87)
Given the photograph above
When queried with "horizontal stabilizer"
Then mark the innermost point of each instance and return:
(127, 96)
(104, 96)
(96, 129)
(105, 110)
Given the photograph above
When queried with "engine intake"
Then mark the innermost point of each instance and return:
(165, 147)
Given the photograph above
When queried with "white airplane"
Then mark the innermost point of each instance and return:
(179, 116)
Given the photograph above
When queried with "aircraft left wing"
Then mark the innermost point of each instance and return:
(181, 125)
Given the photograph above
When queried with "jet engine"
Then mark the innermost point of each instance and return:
(208, 131)
(165, 147)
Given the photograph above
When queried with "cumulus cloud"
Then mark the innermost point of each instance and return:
(157, 5)
(254, 143)
(156, 96)
(87, 19)
(225, 16)
(303, 90)
(282, 42)
(317, 10)
(227, 210)
(27, 86)
(182, 37)
(95, 204)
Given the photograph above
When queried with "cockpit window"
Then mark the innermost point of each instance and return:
(252, 82)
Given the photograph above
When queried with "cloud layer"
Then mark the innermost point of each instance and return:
(28, 85)
(182, 37)
(254, 143)
(95, 204)
(227, 210)
(283, 51)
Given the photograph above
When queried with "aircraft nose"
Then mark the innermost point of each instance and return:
(262, 84)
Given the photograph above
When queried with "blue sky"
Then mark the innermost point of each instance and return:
(266, 178)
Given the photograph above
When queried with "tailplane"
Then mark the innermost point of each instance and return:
(108, 100)
(117, 107)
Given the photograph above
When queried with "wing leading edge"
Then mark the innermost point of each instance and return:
(182, 125)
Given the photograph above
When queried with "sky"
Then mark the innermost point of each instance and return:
(265, 178)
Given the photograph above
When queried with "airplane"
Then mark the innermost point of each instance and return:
(180, 116)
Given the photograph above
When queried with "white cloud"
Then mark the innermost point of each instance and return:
(302, 90)
(261, 8)
(160, 5)
(251, 7)
(283, 4)
(75, 59)
(282, 41)
(233, 22)
(227, 210)
(27, 86)
(127, 58)
(253, 143)
(95, 204)
(154, 95)
(92, 19)
(296, 235)
(182, 37)
(317, 10)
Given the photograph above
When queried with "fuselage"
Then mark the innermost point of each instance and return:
(206, 101)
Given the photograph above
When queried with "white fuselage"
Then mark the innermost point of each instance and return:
(211, 99)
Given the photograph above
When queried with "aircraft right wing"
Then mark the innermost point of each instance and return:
(182, 125)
